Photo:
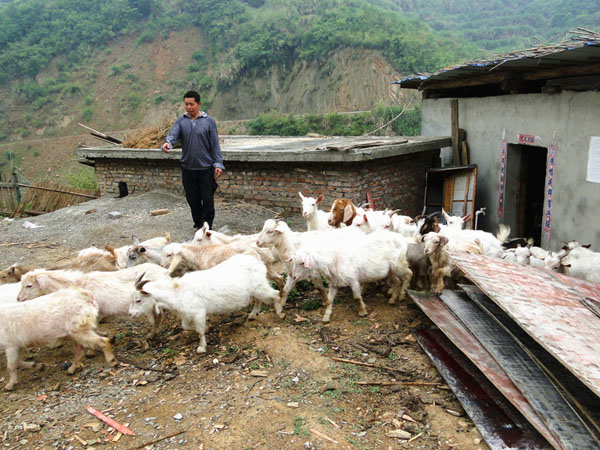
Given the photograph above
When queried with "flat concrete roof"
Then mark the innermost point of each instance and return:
(289, 149)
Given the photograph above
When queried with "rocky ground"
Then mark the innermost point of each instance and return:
(263, 384)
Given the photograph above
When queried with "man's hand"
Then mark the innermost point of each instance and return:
(166, 147)
(218, 172)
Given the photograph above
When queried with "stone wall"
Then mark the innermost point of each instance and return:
(396, 182)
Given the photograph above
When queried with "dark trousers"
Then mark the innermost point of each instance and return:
(200, 187)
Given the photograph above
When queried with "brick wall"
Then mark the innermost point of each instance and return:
(395, 182)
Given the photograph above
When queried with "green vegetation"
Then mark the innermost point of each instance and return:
(311, 304)
(86, 114)
(335, 124)
(503, 25)
(33, 32)
(299, 427)
(82, 178)
(243, 36)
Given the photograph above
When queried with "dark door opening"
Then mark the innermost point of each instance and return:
(525, 188)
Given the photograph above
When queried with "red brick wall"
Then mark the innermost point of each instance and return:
(397, 182)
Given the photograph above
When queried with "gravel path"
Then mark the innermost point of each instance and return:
(113, 221)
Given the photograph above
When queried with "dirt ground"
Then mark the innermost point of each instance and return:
(263, 384)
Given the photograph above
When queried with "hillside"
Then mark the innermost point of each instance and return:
(504, 25)
(107, 63)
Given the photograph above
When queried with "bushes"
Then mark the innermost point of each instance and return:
(86, 115)
(83, 178)
(336, 124)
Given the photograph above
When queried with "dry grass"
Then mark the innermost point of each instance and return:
(149, 137)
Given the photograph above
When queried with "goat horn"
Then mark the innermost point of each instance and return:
(433, 214)
(139, 284)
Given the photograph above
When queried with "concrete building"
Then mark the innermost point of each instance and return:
(532, 123)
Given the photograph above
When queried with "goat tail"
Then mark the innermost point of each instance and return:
(503, 233)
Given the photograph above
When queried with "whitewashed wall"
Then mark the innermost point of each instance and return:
(571, 117)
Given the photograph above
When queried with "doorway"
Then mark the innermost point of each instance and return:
(526, 167)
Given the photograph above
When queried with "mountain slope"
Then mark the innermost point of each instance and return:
(503, 25)
(119, 63)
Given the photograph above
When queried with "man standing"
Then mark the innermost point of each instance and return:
(201, 160)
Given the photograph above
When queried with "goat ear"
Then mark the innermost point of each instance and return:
(208, 233)
(135, 240)
(443, 241)
(110, 249)
(300, 195)
(205, 227)
(347, 213)
(319, 198)
(43, 281)
(309, 262)
(11, 270)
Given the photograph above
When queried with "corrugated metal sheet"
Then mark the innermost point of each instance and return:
(562, 55)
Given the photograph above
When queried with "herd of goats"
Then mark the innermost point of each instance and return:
(216, 273)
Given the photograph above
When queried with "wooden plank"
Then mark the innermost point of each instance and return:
(583, 401)
(435, 309)
(464, 153)
(500, 424)
(527, 376)
(454, 131)
(548, 306)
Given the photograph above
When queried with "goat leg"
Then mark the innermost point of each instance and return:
(329, 303)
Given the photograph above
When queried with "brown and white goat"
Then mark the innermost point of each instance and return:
(342, 211)
(13, 273)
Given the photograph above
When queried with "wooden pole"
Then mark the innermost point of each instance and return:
(454, 130)
(16, 185)
(41, 188)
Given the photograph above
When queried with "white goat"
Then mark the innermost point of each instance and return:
(315, 218)
(455, 222)
(225, 288)
(206, 236)
(69, 312)
(405, 225)
(277, 236)
(553, 261)
(123, 253)
(190, 257)
(350, 262)
(371, 221)
(111, 290)
(581, 262)
(167, 253)
(492, 245)
(9, 292)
